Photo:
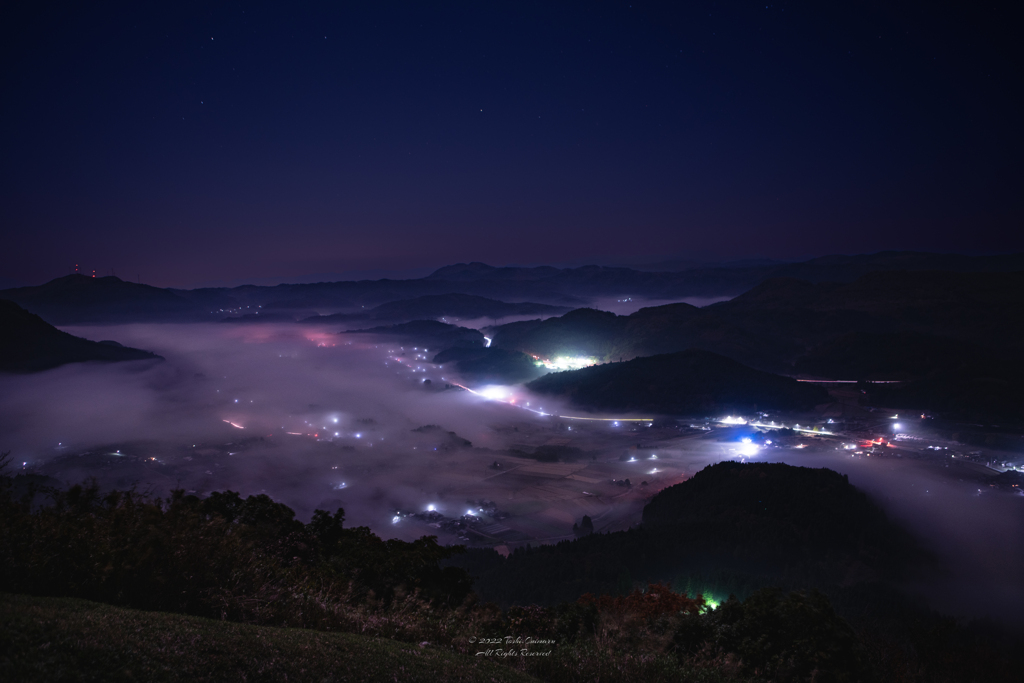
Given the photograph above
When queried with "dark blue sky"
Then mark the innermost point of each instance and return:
(238, 141)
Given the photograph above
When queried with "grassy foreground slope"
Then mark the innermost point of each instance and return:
(64, 639)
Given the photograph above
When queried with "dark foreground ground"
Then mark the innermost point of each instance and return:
(64, 639)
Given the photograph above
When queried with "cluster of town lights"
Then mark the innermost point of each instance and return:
(730, 420)
(559, 363)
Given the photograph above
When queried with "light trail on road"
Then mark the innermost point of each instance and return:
(541, 412)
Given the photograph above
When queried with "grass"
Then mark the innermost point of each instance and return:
(63, 639)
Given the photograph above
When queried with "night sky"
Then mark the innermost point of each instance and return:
(189, 144)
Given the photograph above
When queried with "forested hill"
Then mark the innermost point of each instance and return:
(29, 344)
(775, 507)
(489, 365)
(779, 321)
(953, 339)
(688, 383)
(769, 523)
(433, 332)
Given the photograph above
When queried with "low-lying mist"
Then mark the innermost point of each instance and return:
(976, 532)
(316, 419)
(292, 411)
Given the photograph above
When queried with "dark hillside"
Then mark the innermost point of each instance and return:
(781, 512)
(780, 294)
(793, 505)
(847, 268)
(778, 323)
(958, 379)
(490, 365)
(649, 331)
(776, 523)
(732, 528)
(980, 307)
(980, 390)
(428, 332)
(583, 332)
(675, 327)
(885, 356)
(683, 383)
(30, 344)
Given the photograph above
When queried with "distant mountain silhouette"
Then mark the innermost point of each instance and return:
(886, 356)
(688, 382)
(965, 305)
(847, 268)
(451, 307)
(686, 279)
(75, 299)
(29, 344)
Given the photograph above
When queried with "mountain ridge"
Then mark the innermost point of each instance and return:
(574, 287)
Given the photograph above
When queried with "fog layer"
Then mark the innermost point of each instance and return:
(320, 419)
